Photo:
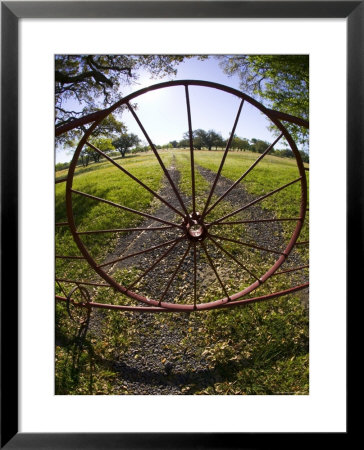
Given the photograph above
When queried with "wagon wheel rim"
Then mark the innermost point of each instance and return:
(194, 227)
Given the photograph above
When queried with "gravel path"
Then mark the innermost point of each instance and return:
(157, 361)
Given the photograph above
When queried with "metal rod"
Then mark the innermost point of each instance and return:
(99, 115)
(302, 243)
(87, 283)
(165, 254)
(158, 157)
(87, 299)
(228, 144)
(232, 257)
(215, 271)
(191, 149)
(138, 253)
(293, 219)
(255, 201)
(194, 276)
(291, 270)
(60, 286)
(178, 308)
(135, 179)
(247, 244)
(126, 208)
(289, 118)
(61, 224)
(175, 273)
(244, 175)
(119, 230)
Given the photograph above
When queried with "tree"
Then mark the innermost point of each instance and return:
(213, 139)
(240, 143)
(174, 144)
(202, 138)
(125, 142)
(281, 82)
(199, 138)
(102, 143)
(258, 146)
(84, 157)
(84, 84)
(184, 143)
(62, 166)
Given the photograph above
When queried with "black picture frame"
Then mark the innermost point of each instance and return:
(11, 12)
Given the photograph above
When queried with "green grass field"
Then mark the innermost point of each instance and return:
(258, 349)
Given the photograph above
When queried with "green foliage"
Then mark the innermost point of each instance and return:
(102, 143)
(240, 143)
(202, 138)
(281, 81)
(124, 142)
(82, 359)
(62, 166)
(174, 144)
(258, 146)
(255, 350)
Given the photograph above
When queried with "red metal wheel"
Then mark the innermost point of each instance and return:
(192, 225)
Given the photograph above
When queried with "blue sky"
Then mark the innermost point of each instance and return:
(163, 112)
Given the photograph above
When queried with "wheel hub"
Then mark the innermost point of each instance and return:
(194, 227)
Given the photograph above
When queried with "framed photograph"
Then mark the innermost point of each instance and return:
(52, 410)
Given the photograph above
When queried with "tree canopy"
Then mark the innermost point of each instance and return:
(202, 138)
(280, 81)
(125, 142)
(86, 83)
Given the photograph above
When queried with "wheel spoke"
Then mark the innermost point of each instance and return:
(120, 230)
(165, 254)
(255, 201)
(243, 176)
(215, 271)
(174, 274)
(150, 249)
(108, 202)
(152, 146)
(61, 288)
(194, 276)
(293, 219)
(295, 269)
(86, 283)
(82, 292)
(302, 243)
(247, 244)
(191, 149)
(233, 257)
(223, 158)
(135, 179)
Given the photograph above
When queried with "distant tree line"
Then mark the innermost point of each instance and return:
(211, 139)
(124, 142)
